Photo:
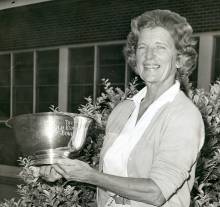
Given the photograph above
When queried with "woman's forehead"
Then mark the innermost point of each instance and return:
(156, 34)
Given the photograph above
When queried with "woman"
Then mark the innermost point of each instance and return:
(153, 139)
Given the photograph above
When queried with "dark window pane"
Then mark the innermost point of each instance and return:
(48, 93)
(115, 73)
(5, 86)
(111, 66)
(5, 62)
(23, 77)
(82, 56)
(193, 78)
(217, 47)
(77, 96)
(4, 110)
(5, 93)
(23, 83)
(47, 79)
(47, 67)
(4, 78)
(5, 70)
(23, 94)
(47, 59)
(81, 65)
(81, 76)
(23, 108)
(23, 68)
(23, 100)
(44, 106)
(216, 66)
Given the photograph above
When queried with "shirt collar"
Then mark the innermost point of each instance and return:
(167, 96)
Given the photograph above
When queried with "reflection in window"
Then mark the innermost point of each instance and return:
(47, 79)
(111, 66)
(23, 83)
(5, 86)
(81, 76)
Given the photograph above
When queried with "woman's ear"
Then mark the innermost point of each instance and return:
(178, 61)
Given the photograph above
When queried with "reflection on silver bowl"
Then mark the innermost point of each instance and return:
(49, 135)
(49, 156)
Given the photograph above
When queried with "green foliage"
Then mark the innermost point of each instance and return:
(206, 191)
(36, 192)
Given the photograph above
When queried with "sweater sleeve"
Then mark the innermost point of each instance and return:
(180, 144)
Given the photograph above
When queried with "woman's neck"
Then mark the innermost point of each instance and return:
(153, 92)
(156, 90)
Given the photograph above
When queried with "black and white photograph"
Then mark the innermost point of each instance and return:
(109, 103)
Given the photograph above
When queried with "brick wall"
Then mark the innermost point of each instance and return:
(62, 22)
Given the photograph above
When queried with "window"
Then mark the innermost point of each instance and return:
(81, 78)
(47, 80)
(216, 59)
(23, 83)
(5, 86)
(84, 81)
(111, 66)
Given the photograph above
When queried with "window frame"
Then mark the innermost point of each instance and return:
(63, 63)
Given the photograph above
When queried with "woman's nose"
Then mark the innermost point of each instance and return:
(149, 54)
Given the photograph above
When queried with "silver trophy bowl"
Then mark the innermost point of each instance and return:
(49, 135)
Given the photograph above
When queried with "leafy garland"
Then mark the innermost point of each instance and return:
(206, 191)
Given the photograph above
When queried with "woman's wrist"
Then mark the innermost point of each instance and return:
(93, 176)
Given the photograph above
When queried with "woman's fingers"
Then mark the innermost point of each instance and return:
(65, 161)
(55, 175)
(35, 171)
(44, 171)
(49, 174)
(59, 169)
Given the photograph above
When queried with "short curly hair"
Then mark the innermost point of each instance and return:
(180, 30)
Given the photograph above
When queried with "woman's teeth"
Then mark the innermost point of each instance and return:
(151, 67)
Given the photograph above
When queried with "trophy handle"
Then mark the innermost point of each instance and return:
(81, 124)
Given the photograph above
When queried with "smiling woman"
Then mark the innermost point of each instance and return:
(156, 56)
(152, 140)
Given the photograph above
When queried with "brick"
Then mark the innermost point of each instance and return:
(55, 23)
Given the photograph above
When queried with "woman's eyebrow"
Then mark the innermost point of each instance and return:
(142, 44)
(162, 43)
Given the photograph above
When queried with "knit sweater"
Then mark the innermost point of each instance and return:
(166, 152)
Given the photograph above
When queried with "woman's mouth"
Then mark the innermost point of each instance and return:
(151, 67)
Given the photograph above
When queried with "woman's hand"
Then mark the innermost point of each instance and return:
(74, 170)
(49, 174)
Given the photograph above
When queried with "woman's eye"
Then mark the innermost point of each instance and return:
(140, 47)
(161, 47)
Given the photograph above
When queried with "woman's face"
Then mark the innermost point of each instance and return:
(156, 56)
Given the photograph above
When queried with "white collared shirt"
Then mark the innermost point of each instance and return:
(116, 158)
